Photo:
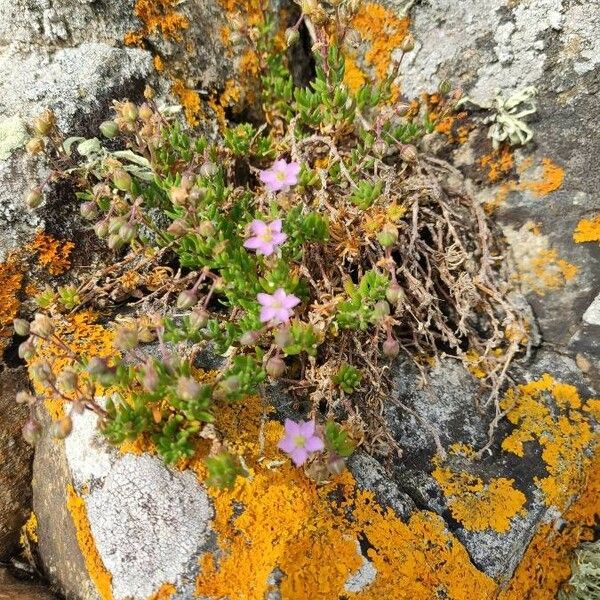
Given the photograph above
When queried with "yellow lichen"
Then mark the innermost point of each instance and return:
(165, 592)
(190, 101)
(158, 16)
(546, 564)
(478, 505)
(354, 78)
(95, 567)
(29, 530)
(384, 31)
(289, 523)
(551, 413)
(588, 230)
(52, 254)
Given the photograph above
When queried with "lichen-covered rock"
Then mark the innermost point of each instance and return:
(15, 466)
(115, 525)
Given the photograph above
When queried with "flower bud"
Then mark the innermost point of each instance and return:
(34, 198)
(126, 338)
(35, 145)
(179, 195)
(62, 428)
(66, 380)
(21, 327)
(391, 348)
(187, 299)
(206, 229)
(109, 129)
(122, 180)
(128, 231)
(115, 224)
(97, 366)
(42, 371)
(408, 43)
(145, 112)
(336, 464)
(115, 242)
(291, 36)
(45, 122)
(130, 112)
(209, 169)
(177, 228)
(250, 338)
(381, 310)
(388, 236)
(150, 379)
(188, 388)
(275, 367)
(380, 148)
(409, 154)
(198, 318)
(282, 337)
(394, 294)
(26, 350)
(24, 397)
(89, 210)
(32, 432)
(42, 325)
(101, 229)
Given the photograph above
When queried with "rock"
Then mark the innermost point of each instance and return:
(16, 589)
(485, 46)
(15, 468)
(112, 523)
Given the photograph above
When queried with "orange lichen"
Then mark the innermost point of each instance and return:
(11, 279)
(190, 101)
(546, 564)
(93, 562)
(384, 31)
(158, 16)
(52, 254)
(551, 413)
(165, 592)
(291, 524)
(551, 179)
(85, 337)
(588, 230)
(497, 164)
(549, 271)
(478, 505)
(354, 78)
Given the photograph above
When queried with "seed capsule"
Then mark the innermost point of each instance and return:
(21, 327)
(391, 348)
(109, 129)
(275, 367)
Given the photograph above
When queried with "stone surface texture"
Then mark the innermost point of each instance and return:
(15, 466)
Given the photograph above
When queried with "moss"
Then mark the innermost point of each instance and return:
(588, 230)
(99, 575)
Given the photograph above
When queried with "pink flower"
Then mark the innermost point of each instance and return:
(281, 176)
(266, 238)
(299, 440)
(277, 307)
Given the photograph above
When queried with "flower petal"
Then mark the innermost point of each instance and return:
(279, 295)
(307, 428)
(266, 314)
(266, 248)
(294, 168)
(258, 227)
(287, 444)
(264, 299)
(292, 428)
(314, 444)
(299, 456)
(253, 243)
(275, 226)
(282, 315)
(279, 238)
(291, 301)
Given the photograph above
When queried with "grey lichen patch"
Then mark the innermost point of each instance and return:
(364, 576)
(13, 135)
(147, 522)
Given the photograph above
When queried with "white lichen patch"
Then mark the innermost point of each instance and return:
(361, 578)
(148, 523)
(13, 135)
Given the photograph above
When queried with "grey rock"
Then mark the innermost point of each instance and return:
(12, 588)
(149, 523)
